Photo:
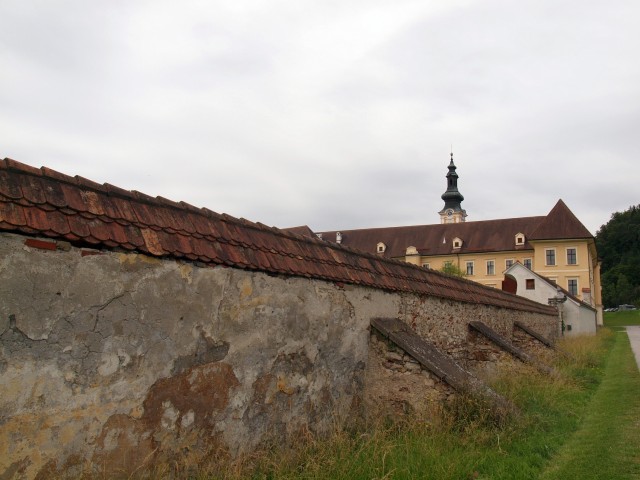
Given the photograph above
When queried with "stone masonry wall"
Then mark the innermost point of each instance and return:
(396, 384)
(110, 359)
(445, 323)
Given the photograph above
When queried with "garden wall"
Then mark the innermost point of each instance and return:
(108, 359)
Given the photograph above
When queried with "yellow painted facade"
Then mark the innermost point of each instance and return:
(572, 264)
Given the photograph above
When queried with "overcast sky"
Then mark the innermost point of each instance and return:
(334, 114)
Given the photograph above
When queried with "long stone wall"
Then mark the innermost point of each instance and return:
(109, 358)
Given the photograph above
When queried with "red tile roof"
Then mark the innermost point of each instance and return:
(303, 230)
(560, 223)
(482, 236)
(43, 202)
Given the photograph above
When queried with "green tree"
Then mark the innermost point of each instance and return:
(618, 244)
(452, 269)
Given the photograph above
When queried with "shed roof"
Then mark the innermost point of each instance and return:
(43, 202)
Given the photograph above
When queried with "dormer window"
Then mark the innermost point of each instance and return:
(520, 239)
(338, 237)
(412, 251)
(381, 247)
(457, 243)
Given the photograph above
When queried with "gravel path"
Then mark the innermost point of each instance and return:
(634, 338)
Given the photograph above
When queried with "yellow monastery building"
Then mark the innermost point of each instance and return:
(556, 246)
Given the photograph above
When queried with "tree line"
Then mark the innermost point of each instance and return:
(618, 244)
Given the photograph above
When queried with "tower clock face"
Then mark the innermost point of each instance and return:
(449, 213)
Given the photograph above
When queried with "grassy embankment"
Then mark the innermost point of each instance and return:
(581, 423)
(619, 319)
(607, 443)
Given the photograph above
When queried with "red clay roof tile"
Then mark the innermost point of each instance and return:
(71, 237)
(152, 242)
(124, 209)
(53, 192)
(73, 197)
(85, 182)
(47, 172)
(100, 230)
(36, 218)
(93, 202)
(86, 212)
(32, 189)
(22, 167)
(134, 235)
(9, 186)
(143, 197)
(12, 214)
(92, 240)
(58, 223)
(117, 191)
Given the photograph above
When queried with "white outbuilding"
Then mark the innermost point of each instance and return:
(575, 316)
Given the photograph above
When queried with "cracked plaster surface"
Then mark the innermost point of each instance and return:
(91, 346)
(96, 338)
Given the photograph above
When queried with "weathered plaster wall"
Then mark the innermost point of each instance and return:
(578, 319)
(113, 358)
(102, 352)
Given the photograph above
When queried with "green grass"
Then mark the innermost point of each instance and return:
(607, 444)
(619, 319)
(582, 422)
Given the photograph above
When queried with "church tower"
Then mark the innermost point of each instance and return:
(452, 211)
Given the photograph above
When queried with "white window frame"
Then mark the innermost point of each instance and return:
(520, 239)
(506, 262)
(546, 257)
(493, 267)
(575, 249)
(573, 279)
(473, 267)
(524, 262)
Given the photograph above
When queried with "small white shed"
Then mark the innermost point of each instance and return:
(579, 317)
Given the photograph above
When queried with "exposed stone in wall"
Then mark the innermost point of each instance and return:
(531, 345)
(446, 324)
(484, 356)
(396, 384)
(112, 358)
